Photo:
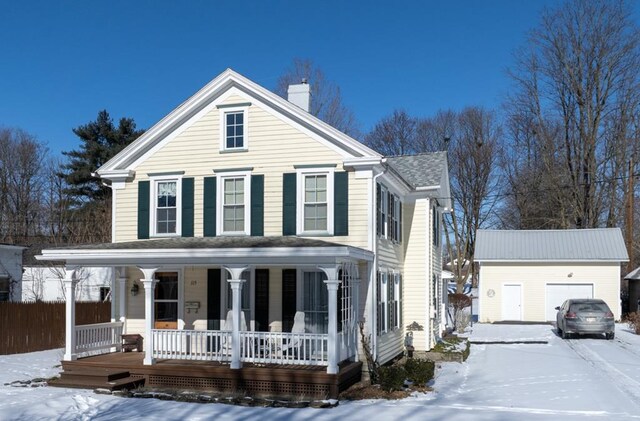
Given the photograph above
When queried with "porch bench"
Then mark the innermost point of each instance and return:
(131, 342)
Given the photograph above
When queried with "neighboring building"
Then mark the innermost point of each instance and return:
(524, 275)
(10, 272)
(240, 208)
(43, 281)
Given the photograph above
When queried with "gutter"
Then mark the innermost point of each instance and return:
(374, 246)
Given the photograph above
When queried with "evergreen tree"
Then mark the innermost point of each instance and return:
(101, 140)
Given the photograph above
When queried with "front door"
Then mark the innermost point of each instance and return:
(512, 302)
(166, 300)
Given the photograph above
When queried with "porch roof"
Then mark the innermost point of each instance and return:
(275, 250)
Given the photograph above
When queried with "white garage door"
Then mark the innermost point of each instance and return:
(558, 293)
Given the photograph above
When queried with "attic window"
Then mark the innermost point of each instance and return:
(233, 128)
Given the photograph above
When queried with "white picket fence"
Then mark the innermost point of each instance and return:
(255, 347)
(98, 337)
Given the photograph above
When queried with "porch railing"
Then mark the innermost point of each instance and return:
(203, 345)
(255, 347)
(98, 337)
(284, 348)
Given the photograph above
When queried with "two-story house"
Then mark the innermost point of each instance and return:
(250, 238)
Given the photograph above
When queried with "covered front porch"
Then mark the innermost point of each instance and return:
(314, 329)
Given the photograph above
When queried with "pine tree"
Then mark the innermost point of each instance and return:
(101, 140)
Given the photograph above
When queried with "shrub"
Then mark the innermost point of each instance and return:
(419, 371)
(459, 302)
(392, 378)
(633, 320)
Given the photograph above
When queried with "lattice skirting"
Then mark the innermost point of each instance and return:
(252, 387)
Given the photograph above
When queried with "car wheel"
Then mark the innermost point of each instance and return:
(564, 334)
(610, 336)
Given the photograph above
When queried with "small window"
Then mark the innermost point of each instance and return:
(105, 294)
(234, 130)
(389, 214)
(4, 290)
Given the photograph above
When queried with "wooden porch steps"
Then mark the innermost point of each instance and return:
(93, 378)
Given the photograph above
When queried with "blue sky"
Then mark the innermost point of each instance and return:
(63, 61)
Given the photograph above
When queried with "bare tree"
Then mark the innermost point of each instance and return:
(574, 108)
(475, 185)
(326, 98)
(394, 135)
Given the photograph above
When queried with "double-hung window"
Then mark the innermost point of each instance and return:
(233, 128)
(234, 199)
(166, 200)
(381, 301)
(315, 203)
(389, 215)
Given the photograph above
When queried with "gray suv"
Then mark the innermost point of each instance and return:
(585, 316)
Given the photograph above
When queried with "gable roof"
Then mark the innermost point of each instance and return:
(422, 170)
(214, 89)
(599, 244)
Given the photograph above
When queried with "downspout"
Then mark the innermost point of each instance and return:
(374, 247)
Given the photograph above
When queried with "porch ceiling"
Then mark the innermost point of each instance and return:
(208, 251)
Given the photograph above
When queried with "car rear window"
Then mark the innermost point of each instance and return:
(581, 307)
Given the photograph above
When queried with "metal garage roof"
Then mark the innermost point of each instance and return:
(603, 244)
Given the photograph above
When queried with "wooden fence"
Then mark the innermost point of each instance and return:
(38, 326)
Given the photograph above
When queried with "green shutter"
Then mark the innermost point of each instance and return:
(209, 207)
(143, 210)
(341, 204)
(257, 205)
(289, 204)
(187, 207)
(288, 298)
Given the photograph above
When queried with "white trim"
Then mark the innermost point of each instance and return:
(179, 270)
(552, 261)
(153, 204)
(257, 255)
(244, 109)
(113, 215)
(300, 179)
(209, 92)
(220, 177)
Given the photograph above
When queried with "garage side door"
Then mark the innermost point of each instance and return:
(556, 294)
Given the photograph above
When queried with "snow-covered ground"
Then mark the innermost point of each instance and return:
(575, 380)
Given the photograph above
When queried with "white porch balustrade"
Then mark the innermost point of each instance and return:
(255, 347)
(98, 337)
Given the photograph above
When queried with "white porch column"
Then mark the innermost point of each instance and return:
(235, 281)
(122, 296)
(333, 346)
(355, 290)
(70, 314)
(149, 284)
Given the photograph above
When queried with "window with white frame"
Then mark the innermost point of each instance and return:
(316, 202)
(389, 210)
(234, 203)
(393, 300)
(381, 300)
(166, 206)
(233, 126)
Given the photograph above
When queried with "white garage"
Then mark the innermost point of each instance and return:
(524, 275)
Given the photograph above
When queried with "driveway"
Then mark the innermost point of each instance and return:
(578, 379)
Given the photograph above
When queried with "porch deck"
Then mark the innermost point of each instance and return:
(254, 379)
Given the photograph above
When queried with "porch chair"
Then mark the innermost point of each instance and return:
(228, 326)
(294, 346)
